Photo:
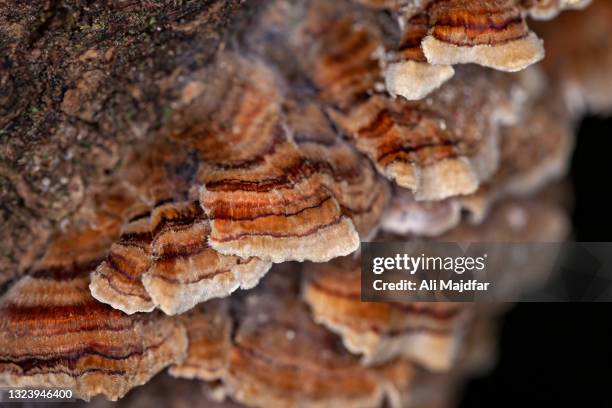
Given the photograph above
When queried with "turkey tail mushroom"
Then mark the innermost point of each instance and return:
(429, 334)
(54, 334)
(279, 357)
(263, 197)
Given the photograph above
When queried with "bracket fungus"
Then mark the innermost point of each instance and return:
(409, 74)
(278, 356)
(442, 146)
(276, 181)
(263, 197)
(533, 152)
(488, 33)
(217, 212)
(427, 333)
(209, 329)
(438, 34)
(162, 257)
(445, 33)
(319, 125)
(54, 334)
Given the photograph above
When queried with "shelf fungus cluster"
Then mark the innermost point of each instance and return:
(328, 124)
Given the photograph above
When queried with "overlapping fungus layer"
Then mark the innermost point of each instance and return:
(443, 146)
(202, 229)
(295, 191)
(438, 34)
(162, 257)
(52, 332)
(533, 152)
(489, 33)
(279, 357)
(428, 333)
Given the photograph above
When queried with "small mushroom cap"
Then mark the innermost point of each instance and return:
(184, 269)
(117, 280)
(415, 80)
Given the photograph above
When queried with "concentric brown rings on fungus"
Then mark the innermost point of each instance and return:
(489, 33)
(162, 258)
(409, 74)
(54, 334)
(265, 194)
(279, 357)
(534, 152)
(429, 334)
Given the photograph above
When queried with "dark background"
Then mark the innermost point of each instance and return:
(560, 354)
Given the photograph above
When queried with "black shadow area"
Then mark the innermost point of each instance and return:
(560, 354)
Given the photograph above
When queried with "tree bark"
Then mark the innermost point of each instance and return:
(79, 80)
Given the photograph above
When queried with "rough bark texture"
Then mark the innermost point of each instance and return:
(78, 81)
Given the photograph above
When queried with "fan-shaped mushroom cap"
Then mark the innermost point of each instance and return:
(489, 33)
(534, 152)
(429, 334)
(440, 147)
(263, 197)
(54, 334)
